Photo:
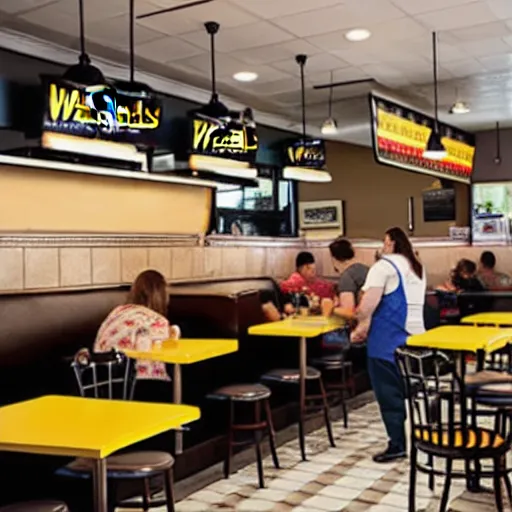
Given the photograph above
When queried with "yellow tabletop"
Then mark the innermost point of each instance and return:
(300, 326)
(496, 319)
(85, 427)
(462, 338)
(187, 351)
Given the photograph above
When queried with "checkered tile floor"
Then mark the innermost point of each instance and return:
(333, 479)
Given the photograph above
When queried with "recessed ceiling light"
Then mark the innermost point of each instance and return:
(358, 34)
(245, 76)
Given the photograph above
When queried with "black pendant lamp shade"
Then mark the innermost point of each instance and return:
(83, 72)
(132, 86)
(435, 149)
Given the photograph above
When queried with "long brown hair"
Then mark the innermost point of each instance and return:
(150, 290)
(403, 246)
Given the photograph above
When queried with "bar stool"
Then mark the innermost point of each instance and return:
(36, 506)
(341, 381)
(258, 395)
(292, 376)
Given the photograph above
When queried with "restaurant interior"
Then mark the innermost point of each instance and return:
(224, 146)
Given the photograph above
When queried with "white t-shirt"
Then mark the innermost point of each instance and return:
(383, 275)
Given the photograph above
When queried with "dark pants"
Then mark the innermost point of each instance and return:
(388, 388)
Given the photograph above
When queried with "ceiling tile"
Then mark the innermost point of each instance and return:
(167, 49)
(421, 6)
(497, 62)
(445, 52)
(464, 68)
(275, 53)
(265, 74)
(224, 64)
(269, 9)
(501, 8)
(271, 88)
(193, 19)
(314, 64)
(18, 6)
(52, 18)
(484, 31)
(475, 13)
(340, 75)
(487, 47)
(345, 16)
(240, 38)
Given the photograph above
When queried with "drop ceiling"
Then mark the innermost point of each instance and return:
(475, 51)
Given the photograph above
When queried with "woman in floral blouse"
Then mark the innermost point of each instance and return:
(141, 324)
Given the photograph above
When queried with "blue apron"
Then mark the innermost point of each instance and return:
(388, 325)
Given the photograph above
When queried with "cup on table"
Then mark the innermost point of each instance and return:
(303, 311)
(327, 306)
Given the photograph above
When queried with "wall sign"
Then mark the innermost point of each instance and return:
(100, 112)
(309, 154)
(231, 137)
(400, 136)
(439, 205)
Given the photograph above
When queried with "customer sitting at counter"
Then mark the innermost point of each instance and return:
(141, 324)
(463, 278)
(304, 279)
(487, 274)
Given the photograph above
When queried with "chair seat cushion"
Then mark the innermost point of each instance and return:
(484, 377)
(290, 375)
(477, 438)
(36, 506)
(242, 392)
(125, 465)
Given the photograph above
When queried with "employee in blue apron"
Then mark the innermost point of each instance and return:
(391, 309)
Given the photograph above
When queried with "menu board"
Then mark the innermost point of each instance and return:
(231, 137)
(439, 205)
(400, 136)
(100, 112)
(306, 153)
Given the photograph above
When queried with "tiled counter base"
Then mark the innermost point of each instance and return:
(334, 479)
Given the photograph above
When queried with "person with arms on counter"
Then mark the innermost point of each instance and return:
(391, 309)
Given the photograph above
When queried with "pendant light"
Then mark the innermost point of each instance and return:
(83, 72)
(435, 149)
(330, 126)
(304, 173)
(132, 85)
(497, 158)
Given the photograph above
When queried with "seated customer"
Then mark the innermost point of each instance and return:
(141, 324)
(462, 279)
(305, 280)
(276, 307)
(487, 274)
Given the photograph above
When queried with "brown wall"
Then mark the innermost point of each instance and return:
(376, 195)
(486, 168)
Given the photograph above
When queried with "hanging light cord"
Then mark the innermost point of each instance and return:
(436, 101)
(84, 58)
(132, 40)
(330, 98)
(301, 60)
(212, 60)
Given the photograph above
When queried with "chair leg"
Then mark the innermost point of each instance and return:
(412, 479)
(497, 484)
(447, 484)
(431, 476)
(146, 495)
(257, 445)
(326, 414)
(229, 441)
(169, 490)
(271, 434)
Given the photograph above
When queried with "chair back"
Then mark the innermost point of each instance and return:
(107, 375)
(433, 390)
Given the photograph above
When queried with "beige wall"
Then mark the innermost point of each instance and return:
(40, 200)
(376, 196)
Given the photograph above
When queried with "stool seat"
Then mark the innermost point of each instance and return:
(127, 465)
(485, 377)
(242, 393)
(36, 506)
(332, 361)
(291, 375)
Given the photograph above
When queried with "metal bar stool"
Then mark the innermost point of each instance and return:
(110, 375)
(258, 395)
(341, 379)
(36, 506)
(292, 376)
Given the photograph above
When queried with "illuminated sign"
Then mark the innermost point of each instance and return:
(100, 111)
(309, 153)
(232, 137)
(400, 136)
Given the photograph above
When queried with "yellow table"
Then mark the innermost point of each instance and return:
(301, 327)
(185, 351)
(462, 338)
(497, 319)
(86, 427)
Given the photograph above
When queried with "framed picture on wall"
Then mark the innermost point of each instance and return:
(321, 214)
